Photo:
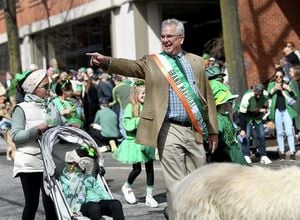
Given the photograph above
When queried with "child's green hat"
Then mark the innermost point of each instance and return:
(222, 97)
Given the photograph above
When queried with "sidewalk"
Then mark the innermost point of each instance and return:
(272, 147)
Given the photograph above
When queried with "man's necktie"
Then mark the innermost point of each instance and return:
(178, 63)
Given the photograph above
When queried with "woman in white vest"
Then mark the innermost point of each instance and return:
(28, 124)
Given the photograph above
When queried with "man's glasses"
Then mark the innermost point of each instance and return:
(170, 36)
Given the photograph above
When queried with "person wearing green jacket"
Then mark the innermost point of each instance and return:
(229, 149)
(65, 105)
(282, 111)
(104, 129)
(253, 107)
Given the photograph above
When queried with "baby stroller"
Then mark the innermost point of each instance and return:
(54, 144)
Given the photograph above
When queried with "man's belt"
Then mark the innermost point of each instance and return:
(181, 123)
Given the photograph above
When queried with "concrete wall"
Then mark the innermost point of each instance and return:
(135, 27)
(35, 16)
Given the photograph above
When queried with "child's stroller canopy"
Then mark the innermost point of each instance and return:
(73, 136)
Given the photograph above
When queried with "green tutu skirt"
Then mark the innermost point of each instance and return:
(130, 152)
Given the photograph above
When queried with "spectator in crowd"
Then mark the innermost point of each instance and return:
(283, 97)
(216, 79)
(291, 45)
(291, 56)
(224, 69)
(63, 76)
(211, 61)
(164, 121)
(205, 57)
(5, 124)
(54, 79)
(90, 72)
(50, 72)
(105, 87)
(121, 96)
(7, 81)
(90, 102)
(105, 127)
(253, 107)
(65, 106)
(295, 83)
(78, 87)
(28, 124)
(130, 152)
(285, 66)
(229, 149)
(215, 76)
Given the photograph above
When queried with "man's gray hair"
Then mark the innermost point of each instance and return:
(177, 23)
(258, 88)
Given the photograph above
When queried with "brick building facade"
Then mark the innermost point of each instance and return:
(265, 27)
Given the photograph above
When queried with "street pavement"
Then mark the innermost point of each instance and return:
(12, 200)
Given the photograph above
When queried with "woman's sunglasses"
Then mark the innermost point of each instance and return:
(46, 86)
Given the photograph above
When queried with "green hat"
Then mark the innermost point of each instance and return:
(205, 56)
(83, 70)
(75, 121)
(216, 86)
(213, 71)
(222, 97)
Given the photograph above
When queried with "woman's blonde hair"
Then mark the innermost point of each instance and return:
(134, 97)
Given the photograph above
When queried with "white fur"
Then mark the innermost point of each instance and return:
(224, 191)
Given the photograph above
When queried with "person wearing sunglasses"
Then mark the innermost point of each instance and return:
(283, 97)
(28, 124)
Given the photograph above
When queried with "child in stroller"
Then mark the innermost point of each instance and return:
(83, 193)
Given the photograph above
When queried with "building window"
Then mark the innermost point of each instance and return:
(69, 43)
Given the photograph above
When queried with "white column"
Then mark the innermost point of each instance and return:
(122, 32)
(154, 23)
(26, 55)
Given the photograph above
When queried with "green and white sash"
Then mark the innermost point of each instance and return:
(184, 91)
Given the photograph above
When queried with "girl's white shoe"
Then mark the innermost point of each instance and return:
(151, 202)
(128, 194)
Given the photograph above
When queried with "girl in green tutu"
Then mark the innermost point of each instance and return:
(129, 152)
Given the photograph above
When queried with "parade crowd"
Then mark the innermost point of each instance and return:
(134, 111)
